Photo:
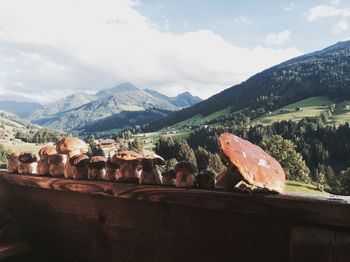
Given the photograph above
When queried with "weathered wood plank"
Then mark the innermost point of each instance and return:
(69, 220)
(315, 210)
(70, 226)
(309, 243)
(13, 248)
(312, 244)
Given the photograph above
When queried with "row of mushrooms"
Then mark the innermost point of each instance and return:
(244, 162)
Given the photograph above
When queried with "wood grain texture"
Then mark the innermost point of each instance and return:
(9, 249)
(310, 243)
(70, 226)
(70, 220)
(333, 211)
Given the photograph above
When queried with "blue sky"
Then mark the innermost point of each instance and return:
(246, 23)
(51, 49)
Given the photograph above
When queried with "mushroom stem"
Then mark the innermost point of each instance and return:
(43, 165)
(128, 171)
(152, 177)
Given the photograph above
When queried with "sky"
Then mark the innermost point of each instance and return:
(52, 48)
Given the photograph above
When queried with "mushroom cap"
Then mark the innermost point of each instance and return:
(28, 157)
(97, 162)
(69, 144)
(185, 165)
(157, 160)
(256, 166)
(47, 151)
(126, 156)
(56, 159)
(79, 160)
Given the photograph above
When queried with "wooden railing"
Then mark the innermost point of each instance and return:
(96, 220)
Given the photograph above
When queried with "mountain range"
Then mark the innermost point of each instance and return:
(323, 73)
(115, 108)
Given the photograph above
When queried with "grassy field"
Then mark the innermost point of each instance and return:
(312, 106)
(21, 147)
(304, 188)
(340, 115)
(199, 119)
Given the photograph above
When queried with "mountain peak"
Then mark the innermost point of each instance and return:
(124, 87)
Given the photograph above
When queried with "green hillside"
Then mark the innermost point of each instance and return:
(200, 119)
(310, 107)
(341, 113)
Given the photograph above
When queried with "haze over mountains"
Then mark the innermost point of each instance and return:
(118, 107)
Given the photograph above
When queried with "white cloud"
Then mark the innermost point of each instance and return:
(322, 11)
(243, 20)
(290, 7)
(341, 26)
(278, 39)
(335, 2)
(49, 49)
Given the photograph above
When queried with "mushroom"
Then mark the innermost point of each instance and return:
(206, 179)
(129, 162)
(185, 174)
(12, 166)
(43, 164)
(79, 164)
(57, 164)
(27, 163)
(112, 170)
(150, 174)
(169, 178)
(97, 167)
(248, 163)
(71, 146)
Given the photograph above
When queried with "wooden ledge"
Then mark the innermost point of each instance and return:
(9, 249)
(326, 210)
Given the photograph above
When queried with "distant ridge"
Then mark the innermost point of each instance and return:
(118, 107)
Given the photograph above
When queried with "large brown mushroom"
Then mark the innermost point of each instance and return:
(72, 146)
(248, 163)
(186, 173)
(150, 174)
(43, 164)
(57, 164)
(12, 166)
(28, 163)
(97, 167)
(129, 162)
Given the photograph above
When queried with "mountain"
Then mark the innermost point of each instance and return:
(10, 125)
(118, 107)
(64, 104)
(321, 73)
(182, 100)
(21, 109)
(122, 88)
